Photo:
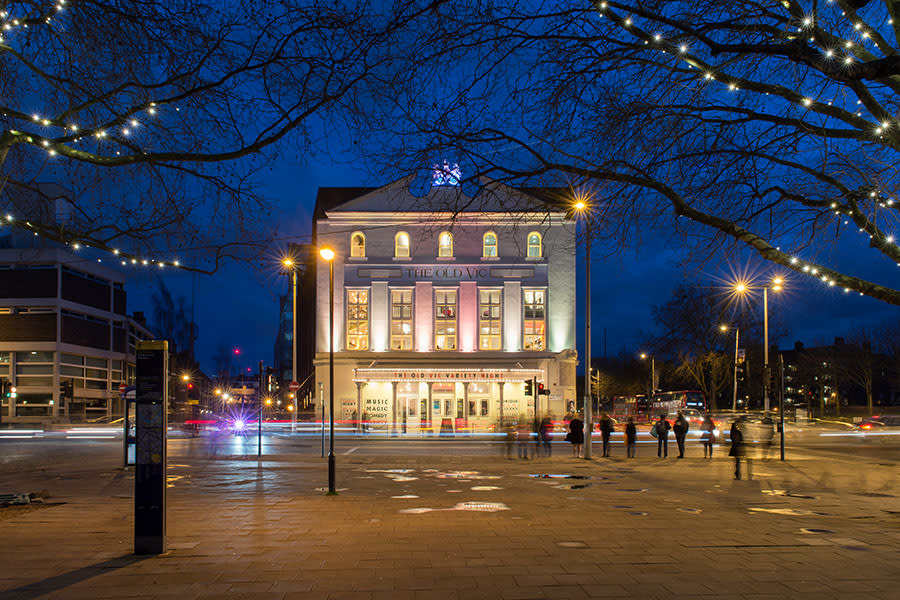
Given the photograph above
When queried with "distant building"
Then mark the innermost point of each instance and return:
(304, 261)
(445, 305)
(66, 342)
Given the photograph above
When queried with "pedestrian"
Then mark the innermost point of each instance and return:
(355, 422)
(606, 429)
(536, 432)
(547, 434)
(681, 429)
(510, 431)
(662, 428)
(709, 436)
(365, 422)
(631, 437)
(739, 449)
(523, 433)
(576, 435)
(767, 436)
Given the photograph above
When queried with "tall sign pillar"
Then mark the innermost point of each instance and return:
(151, 399)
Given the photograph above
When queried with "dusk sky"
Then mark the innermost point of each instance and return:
(239, 305)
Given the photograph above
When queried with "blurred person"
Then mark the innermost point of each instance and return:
(606, 429)
(523, 433)
(681, 429)
(546, 433)
(536, 432)
(510, 431)
(662, 427)
(709, 436)
(739, 449)
(576, 435)
(631, 437)
(768, 435)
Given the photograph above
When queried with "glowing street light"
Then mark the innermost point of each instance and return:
(737, 335)
(289, 263)
(581, 206)
(776, 285)
(328, 254)
(645, 356)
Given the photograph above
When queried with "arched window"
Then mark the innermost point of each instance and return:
(489, 245)
(401, 245)
(445, 245)
(535, 249)
(357, 245)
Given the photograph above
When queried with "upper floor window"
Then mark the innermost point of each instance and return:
(357, 245)
(401, 245)
(489, 245)
(489, 319)
(401, 319)
(535, 319)
(357, 319)
(445, 245)
(535, 246)
(445, 319)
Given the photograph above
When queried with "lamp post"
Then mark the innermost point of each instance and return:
(583, 207)
(289, 264)
(645, 356)
(328, 254)
(737, 335)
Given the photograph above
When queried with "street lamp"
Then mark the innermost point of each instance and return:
(289, 264)
(328, 254)
(737, 335)
(645, 356)
(776, 286)
(584, 208)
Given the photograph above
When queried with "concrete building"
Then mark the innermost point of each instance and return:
(66, 342)
(445, 305)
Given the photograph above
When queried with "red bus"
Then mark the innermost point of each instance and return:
(637, 406)
(668, 402)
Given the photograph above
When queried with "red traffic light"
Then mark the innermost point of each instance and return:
(190, 386)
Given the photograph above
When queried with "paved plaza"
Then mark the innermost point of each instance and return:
(462, 527)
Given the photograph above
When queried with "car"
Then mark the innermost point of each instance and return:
(693, 416)
(879, 423)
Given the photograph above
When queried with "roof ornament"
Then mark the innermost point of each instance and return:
(445, 175)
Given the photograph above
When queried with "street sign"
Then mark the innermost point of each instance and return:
(123, 388)
(294, 386)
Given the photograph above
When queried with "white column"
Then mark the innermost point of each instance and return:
(512, 316)
(379, 317)
(424, 317)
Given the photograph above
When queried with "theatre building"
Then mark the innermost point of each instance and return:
(445, 306)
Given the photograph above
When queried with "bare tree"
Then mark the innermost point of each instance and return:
(146, 125)
(769, 124)
(710, 371)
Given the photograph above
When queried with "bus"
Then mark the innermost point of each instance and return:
(637, 406)
(668, 402)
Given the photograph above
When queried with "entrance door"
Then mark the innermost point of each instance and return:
(408, 414)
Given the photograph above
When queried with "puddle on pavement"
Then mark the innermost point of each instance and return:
(873, 494)
(814, 530)
(454, 491)
(400, 478)
(622, 506)
(638, 513)
(693, 511)
(325, 489)
(462, 506)
(787, 493)
(639, 490)
(571, 544)
(485, 488)
(463, 475)
(790, 512)
(404, 496)
(399, 471)
(572, 486)
(559, 476)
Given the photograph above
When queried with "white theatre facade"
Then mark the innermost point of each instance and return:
(445, 306)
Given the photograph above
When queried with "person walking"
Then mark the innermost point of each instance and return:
(709, 436)
(662, 428)
(523, 434)
(547, 434)
(606, 429)
(739, 449)
(576, 435)
(631, 437)
(681, 429)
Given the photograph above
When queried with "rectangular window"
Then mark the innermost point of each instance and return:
(489, 319)
(401, 319)
(36, 357)
(357, 319)
(535, 319)
(445, 320)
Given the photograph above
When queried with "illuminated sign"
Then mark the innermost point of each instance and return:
(462, 375)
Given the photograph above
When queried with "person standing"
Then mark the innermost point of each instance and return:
(681, 429)
(606, 429)
(630, 437)
(547, 434)
(576, 435)
(739, 449)
(523, 434)
(709, 436)
(662, 437)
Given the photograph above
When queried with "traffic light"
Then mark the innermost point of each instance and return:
(528, 388)
(66, 391)
(542, 391)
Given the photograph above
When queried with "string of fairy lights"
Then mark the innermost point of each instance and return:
(846, 51)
